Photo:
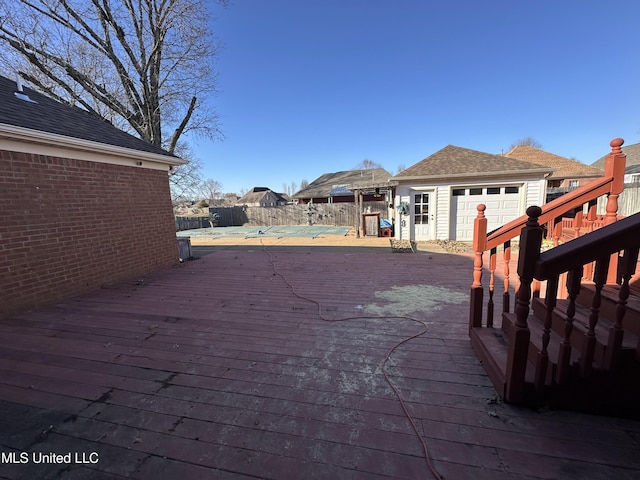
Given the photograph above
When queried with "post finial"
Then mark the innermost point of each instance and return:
(481, 208)
(534, 211)
(616, 143)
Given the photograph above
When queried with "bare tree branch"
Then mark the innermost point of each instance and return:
(143, 64)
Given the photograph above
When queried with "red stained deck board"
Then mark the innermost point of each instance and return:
(162, 468)
(216, 369)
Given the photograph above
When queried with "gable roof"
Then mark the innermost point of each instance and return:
(256, 194)
(562, 167)
(456, 162)
(631, 151)
(36, 112)
(338, 182)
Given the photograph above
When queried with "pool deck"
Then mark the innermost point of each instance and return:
(281, 361)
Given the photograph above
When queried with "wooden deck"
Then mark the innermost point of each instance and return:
(252, 363)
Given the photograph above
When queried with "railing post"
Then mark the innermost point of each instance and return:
(614, 167)
(479, 246)
(530, 242)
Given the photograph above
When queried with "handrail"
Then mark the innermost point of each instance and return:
(551, 210)
(598, 249)
(611, 183)
(590, 247)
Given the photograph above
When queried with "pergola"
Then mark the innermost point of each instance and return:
(387, 189)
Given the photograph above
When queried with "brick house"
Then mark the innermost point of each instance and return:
(84, 204)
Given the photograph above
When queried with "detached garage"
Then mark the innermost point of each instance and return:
(437, 198)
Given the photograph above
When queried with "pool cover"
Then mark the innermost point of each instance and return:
(280, 231)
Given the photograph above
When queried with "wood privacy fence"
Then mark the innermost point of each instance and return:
(335, 214)
(191, 223)
(628, 201)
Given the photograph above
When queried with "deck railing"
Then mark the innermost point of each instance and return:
(620, 240)
(611, 185)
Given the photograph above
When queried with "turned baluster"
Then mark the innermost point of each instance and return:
(492, 276)
(577, 224)
(543, 355)
(557, 233)
(591, 220)
(507, 258)
(479, 246)
(592, 215)
(616, 333)
(535, 288)
(530, 241)
(574, 279)
(588, 351)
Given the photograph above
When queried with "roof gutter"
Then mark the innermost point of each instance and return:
(27, 140)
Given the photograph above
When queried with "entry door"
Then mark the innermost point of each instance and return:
(422, 215)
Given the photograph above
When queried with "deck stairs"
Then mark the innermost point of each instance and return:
(570, 336)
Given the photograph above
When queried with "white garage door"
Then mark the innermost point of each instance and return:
(503, 205)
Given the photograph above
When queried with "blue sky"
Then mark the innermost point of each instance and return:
(315, 86)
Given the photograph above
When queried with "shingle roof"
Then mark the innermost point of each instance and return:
(631, 151)
(452, 161)
(563, 167)
(47, 115)
(633, 169)
(321, 187)
(256, 194)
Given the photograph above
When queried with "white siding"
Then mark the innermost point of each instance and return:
(403, 222)
(532, 191)
(536, 192)
(443, 208)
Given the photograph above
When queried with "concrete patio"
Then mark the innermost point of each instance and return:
(280, 362)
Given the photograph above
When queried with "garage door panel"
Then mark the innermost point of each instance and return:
(500, 209)
(493, 204)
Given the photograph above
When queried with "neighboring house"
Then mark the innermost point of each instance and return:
(632, 174)
(437, 198)
(83, 203)
(567, 174)
(338, 187)
(262, 197)
(631, 151)
(629, 200)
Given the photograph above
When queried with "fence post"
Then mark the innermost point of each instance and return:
(479, 246)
